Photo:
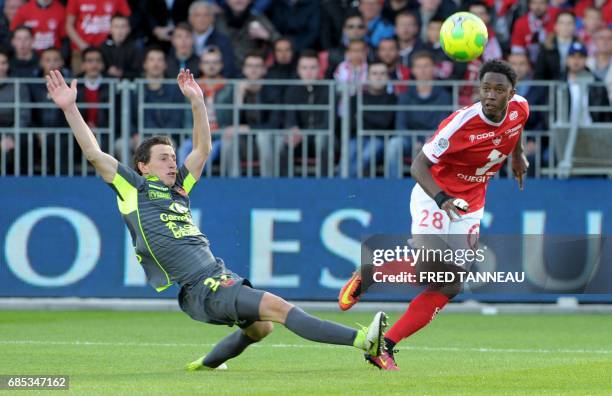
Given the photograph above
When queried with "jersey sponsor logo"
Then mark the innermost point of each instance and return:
(497, 140)
(473, 179)
(482, 136)
(513, 115)
(178, 207)
(513, 131)
(88, 8)
(153, 194)
(160, 188)
(165, 217)
(179, 231)
(440, 145)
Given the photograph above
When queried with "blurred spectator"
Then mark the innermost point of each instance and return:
(303, 120)
(550, 64)
(216, 90)
(25, 61)
(604, 5)
(163, 16)
(353, 29)
(8, 143)
(50, 59)
(423, 94)
(88, 23)
(589, 24)
(250, 91)
(155, 91)
(214, 87)
(247, 31)
(50, 117)
(299, 20)
(181, 54)
(7, 95)
(407, 33)
(354, 69)
(202, 20)
(535, 95)
(92, 90)
(377, 27)
(122, 56)
(493, 49)
(388, 53)
(444, 65)
(46, 18)
(8, 13)
(392, 8)
(505, 12)
(531, 29)
(375, 94)
(333, 16)
(284, 66)
(601, 63)
(433, 9)
(577, 76)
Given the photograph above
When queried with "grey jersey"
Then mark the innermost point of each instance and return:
(169, 246)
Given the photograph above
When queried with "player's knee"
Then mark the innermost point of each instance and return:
(274, 308)
(259, 330)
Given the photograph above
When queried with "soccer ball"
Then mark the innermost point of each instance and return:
(463, 36)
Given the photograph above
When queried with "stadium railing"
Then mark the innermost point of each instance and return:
(564, 148)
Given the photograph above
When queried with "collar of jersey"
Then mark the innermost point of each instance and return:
(152, 178)
(485, 119)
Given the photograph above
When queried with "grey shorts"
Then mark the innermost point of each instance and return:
(214, 300)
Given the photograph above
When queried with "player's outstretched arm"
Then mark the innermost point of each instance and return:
(201, 129)
(421, 172)
(64, 97)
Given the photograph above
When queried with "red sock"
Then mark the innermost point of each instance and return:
(420, 312)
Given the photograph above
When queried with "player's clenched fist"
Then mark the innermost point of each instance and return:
(451, 205)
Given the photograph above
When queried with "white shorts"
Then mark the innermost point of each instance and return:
(428, 219)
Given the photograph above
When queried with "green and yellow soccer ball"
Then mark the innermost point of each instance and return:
(463, 36)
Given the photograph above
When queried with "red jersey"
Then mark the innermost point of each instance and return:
(93, 18)
(468, 149)
(47, 23)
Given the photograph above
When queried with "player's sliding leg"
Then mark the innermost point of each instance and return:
(231, 346)
(275, 309)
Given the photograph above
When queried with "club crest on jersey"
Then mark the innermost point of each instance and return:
(52, 24)
(513, 115)
(108, 7)
(440, 146)
(497, 140)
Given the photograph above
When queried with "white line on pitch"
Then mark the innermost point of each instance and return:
(265, 345)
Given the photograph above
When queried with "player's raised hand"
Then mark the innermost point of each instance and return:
(189, 87)
(63, 95)
(519, 168)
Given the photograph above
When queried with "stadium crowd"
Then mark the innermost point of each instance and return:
(346, 41)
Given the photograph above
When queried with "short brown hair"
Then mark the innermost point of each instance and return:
(143, 151)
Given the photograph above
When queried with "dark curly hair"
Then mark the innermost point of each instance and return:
(501, 67)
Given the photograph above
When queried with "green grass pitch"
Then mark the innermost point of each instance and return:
(133, 353)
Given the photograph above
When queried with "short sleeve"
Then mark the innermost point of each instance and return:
(185, 179)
